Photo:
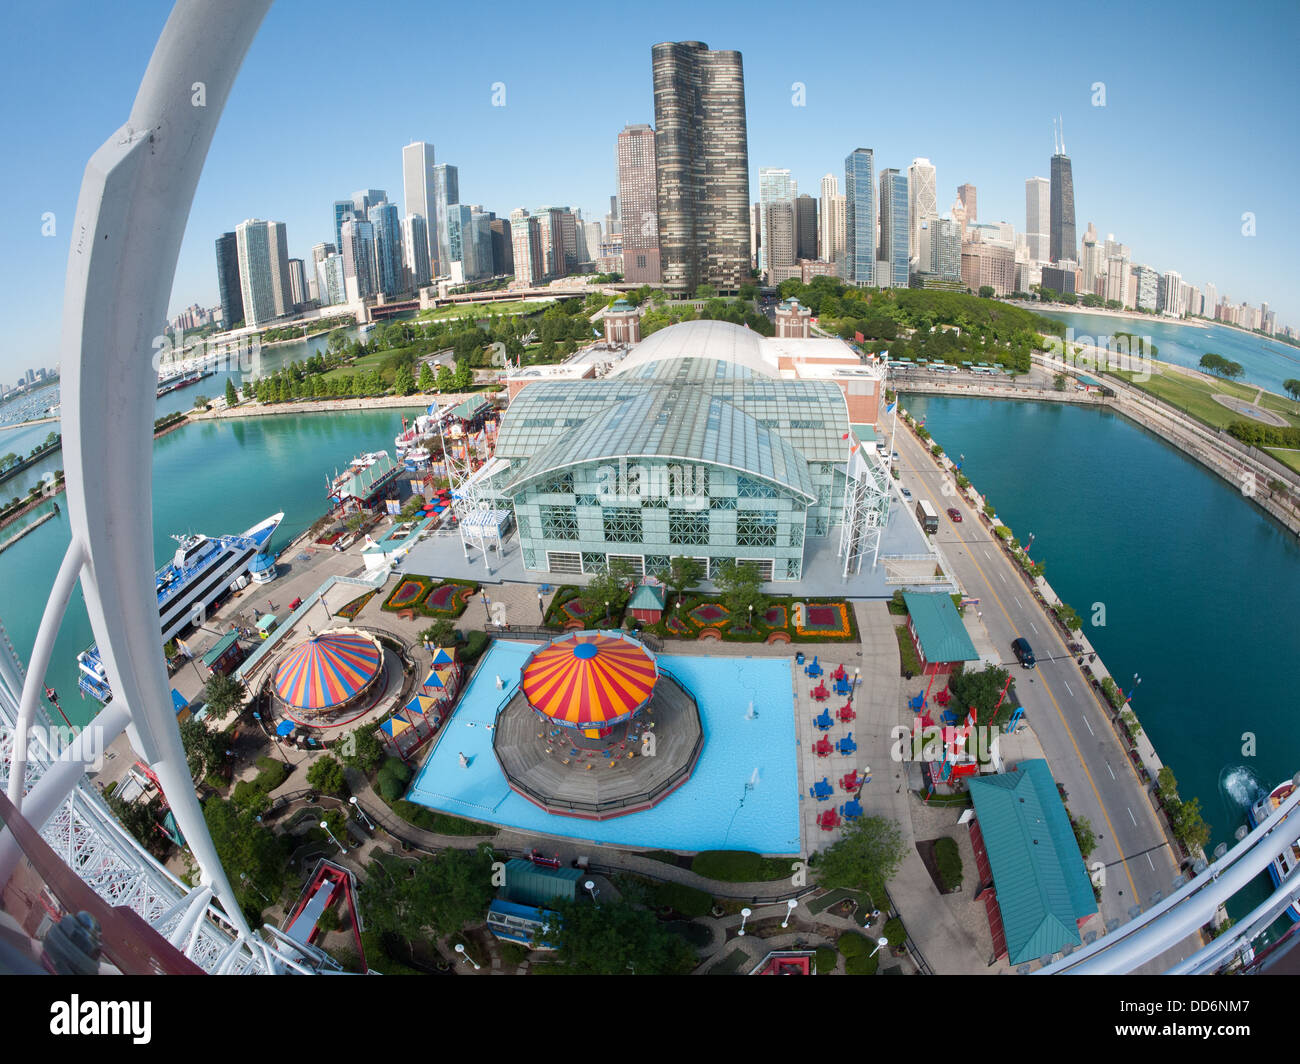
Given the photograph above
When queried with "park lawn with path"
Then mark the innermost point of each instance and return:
(485, 310)
(1195, 396)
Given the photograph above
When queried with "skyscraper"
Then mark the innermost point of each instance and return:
(774, 185)
(460, 243)
(945, 248)
(364, 199)
(1092, 263)
(1064, 243)
(832, 220)
(922, 207)
(419, 193)
(1038, 219)
(232, 299)
(297, 282)
(278, 253)
(702, 162)
(255, 284)
(966, 193)
(358, 260)
(343, 210)
(778, 237)
(388, 248)
(637, 197)
(416, 268)
(805, 227)
(503, 259)
(526, 238)
(894, 228)
(860, 218)
(446, 191)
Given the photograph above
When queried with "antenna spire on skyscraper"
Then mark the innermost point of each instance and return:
(1061, 122)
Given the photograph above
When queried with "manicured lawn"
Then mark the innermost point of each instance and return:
(485, 310)
(1287, 458)
(1194, 396)
(906, 652)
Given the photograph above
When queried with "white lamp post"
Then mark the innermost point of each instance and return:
(361, 812)
(881, 943)
(325, 825)
(744, 915)
(590, 887)
(789, 911)
(243, 878)
(460, 948)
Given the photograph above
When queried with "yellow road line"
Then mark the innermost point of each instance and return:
(1083, 764)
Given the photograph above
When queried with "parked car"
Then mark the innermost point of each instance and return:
(906, 494)
(954, 515)
(1024, 653)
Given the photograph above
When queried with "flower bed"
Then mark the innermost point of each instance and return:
(409, 593)
(446, 598)
(776, 617)
(710, 614)
(828, 620)
(354, 607)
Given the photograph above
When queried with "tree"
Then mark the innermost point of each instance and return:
(403, 382)
(705, 291)
(463, 379)
(392, 779)
(222, 694)
(200, 402)
(245, 846)
(1058, 382)
(425, 382)
(326, 775)
(980, 689)
(205, 748)
(440, 633)
(444, 381)
(1083, 835)
(1220, 366)
(742, 589)
(445, 894)
(986, 291)
(1189, 826)
(613, 586)
(232, 398)
(367, 751)
(616, 938)
(1292, 387)
(866, 857)
(682, 574)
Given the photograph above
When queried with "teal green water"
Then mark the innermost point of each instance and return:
(1265, 362)
(214, 477)
(1199, 586)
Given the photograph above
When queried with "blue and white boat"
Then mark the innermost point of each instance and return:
(202, 570)
(1289, 859)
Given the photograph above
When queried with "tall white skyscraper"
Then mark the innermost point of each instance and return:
(1211, 299)
(446, 191)
(256, 284)
(415, 251)
(1038, 218)
(418, 194)
(922, 207)
(1092, 263)
(774, 185)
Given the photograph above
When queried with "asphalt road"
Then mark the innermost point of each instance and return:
(1082, 749)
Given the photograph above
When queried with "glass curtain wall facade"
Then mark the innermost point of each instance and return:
(860, 218)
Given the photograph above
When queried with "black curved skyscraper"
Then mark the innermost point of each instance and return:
(702, 166)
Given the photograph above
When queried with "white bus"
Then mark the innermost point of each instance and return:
(926, 515)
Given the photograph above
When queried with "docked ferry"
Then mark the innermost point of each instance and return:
(201, 571)
(1289, 859)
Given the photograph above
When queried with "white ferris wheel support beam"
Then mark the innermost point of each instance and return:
(131, 216)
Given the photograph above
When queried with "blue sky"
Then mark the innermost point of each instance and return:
(1198, 126)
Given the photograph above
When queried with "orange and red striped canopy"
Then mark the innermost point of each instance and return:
(589, 679)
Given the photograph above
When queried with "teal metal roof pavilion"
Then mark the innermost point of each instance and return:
(939, 628)
(1042, 886)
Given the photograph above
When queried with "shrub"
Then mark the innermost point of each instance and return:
(895, 932)
(273, 773)
(739, 866)
(863, 964)
(513, 954)
(440, 823)
(948, 859)
(681, 899)
(1112, 692)
(326, 775)
(475, 643)
(853, 944)
(1002, 532)
(826, 960)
